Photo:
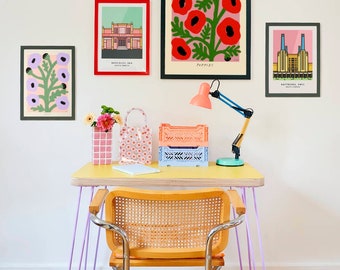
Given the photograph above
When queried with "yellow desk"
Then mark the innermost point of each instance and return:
(210, 176)
(243, 177)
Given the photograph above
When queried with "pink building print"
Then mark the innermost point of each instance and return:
(122, 37)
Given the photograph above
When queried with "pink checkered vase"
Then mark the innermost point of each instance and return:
(101, 146)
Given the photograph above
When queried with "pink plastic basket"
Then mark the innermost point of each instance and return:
(183, 135)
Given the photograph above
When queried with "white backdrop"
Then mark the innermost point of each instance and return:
(294, 142)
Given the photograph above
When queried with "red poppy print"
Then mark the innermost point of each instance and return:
(181, 6)
(180, 50)
(206, 30)
(229, 31)
(233, 6)
(195, 21)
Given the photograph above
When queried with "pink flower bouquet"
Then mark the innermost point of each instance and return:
(105, 120)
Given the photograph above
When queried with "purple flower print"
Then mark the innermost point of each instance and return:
(34, 60)
(62, 103)
(33, 100)
(63, 59)
(63, 75)
(32, 84)
(47, 76)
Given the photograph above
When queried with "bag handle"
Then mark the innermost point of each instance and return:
(136, 109)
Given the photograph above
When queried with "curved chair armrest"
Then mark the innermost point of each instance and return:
(236, 201)
(109, 226)
(240, 210)
(94, 208)
(97, 201)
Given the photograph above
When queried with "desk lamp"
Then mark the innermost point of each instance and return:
(202, 99)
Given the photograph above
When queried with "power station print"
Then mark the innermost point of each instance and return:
(292, 58)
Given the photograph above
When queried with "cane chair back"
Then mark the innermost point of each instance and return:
(167, 228)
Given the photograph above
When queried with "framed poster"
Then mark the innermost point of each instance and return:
(122, 37)
(292, 60)
(47, 83)
(205, 39)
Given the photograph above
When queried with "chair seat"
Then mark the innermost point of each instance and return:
(163, 253)
(117, 261)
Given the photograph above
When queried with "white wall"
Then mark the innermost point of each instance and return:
(294, 142)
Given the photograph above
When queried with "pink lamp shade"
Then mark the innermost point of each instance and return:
(202, 98)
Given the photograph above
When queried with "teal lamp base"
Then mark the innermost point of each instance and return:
(229, 162)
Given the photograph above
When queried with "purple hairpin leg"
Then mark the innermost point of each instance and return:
(98, 237)
(75, 228)
(251, 259)
(238, 244)
(259, 231)
(86, 237)
(87, 242)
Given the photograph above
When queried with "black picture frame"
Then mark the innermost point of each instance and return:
(223, 57)
(47, 83)
(292, 59)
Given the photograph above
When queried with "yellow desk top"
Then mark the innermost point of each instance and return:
(210, 176)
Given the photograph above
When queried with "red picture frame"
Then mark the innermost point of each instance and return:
(122, 37)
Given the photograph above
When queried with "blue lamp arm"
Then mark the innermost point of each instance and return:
(246, 113)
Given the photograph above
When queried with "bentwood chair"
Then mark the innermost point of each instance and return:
(167, 228)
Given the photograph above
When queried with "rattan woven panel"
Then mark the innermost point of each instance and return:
(167, 224)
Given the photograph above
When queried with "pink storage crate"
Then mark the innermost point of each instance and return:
(183, 135)
(183, 146)
(101, 146)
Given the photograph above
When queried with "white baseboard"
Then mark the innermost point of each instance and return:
(234, 267)
(300, 267)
